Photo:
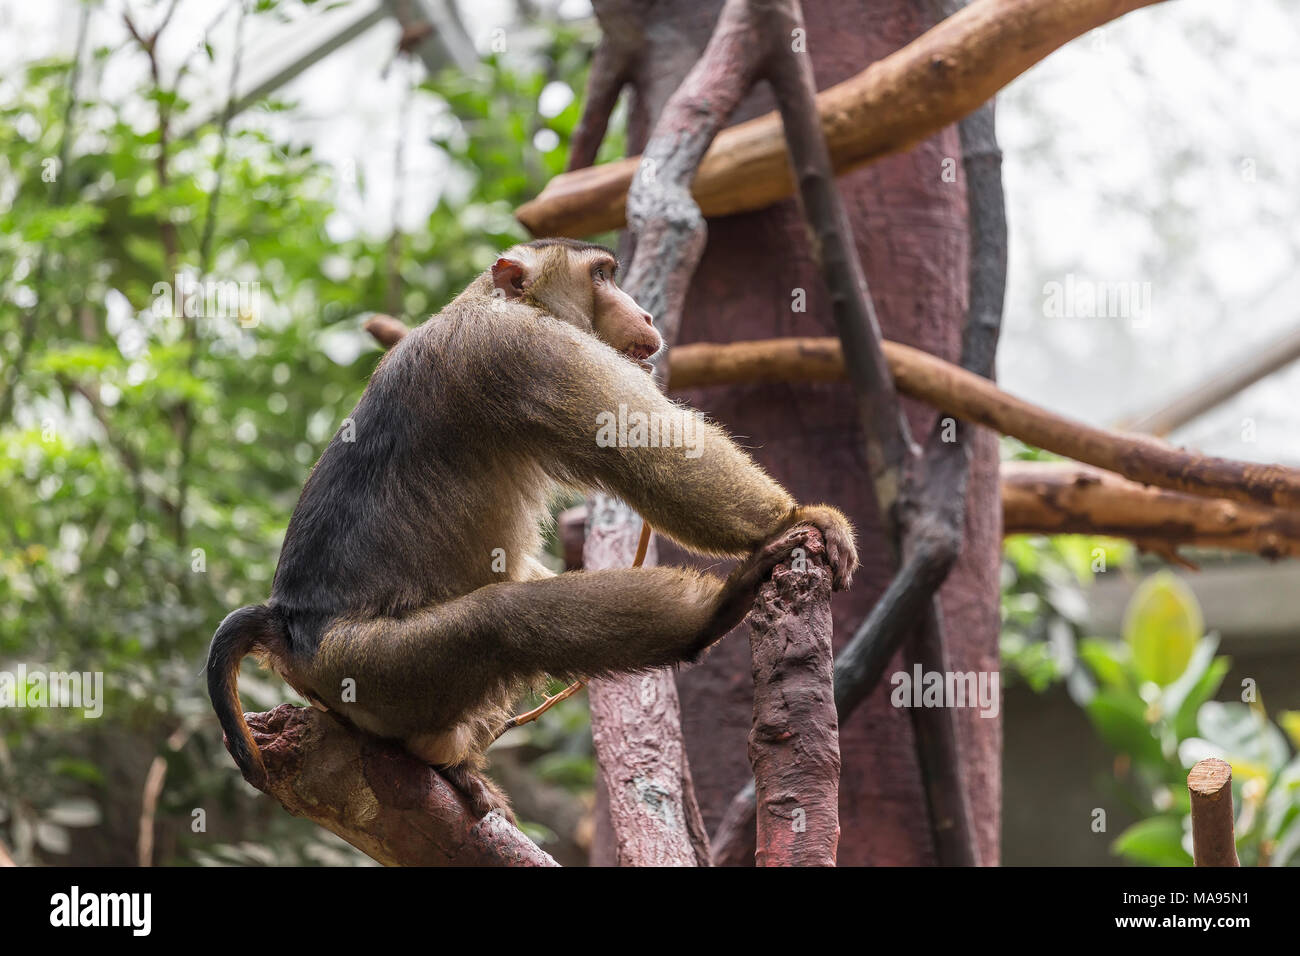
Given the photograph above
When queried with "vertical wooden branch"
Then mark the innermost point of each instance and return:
(637, 731)
(1210, 786)
(794, 743)
(926, 538)
(636, 721)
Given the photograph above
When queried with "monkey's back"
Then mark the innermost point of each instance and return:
(419, 495)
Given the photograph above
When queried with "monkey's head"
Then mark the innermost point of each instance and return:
(575, 282)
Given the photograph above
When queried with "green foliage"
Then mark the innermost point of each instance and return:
(150, 459)
(1149, 696)
(1150, 699)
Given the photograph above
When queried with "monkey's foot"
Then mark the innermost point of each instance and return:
(482, 793)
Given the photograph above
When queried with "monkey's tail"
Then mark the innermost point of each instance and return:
(257, 629)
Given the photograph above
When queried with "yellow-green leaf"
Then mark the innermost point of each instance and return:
(1162, 625)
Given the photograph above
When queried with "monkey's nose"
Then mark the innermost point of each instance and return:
(649, 319)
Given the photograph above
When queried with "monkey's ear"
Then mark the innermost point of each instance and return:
(510, 277)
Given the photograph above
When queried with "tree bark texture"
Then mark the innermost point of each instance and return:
(758, 279)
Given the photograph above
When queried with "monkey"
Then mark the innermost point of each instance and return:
(408, 599)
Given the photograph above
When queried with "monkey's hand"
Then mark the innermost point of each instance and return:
(737, 594)
(841, 552)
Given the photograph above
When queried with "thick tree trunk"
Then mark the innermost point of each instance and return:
(911, 233)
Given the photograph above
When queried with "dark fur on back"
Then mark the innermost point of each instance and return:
(409, 599)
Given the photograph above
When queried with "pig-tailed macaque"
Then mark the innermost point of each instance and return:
(408, 599)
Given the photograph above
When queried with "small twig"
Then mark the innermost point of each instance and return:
(153, 786)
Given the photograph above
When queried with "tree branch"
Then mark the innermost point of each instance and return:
(933, 81)
(1037, 497)
(1210, 786)
(974, 399)
(609, 65)
(386, 803)
(794, 742)
(920, 511)
(637, 731)
(650, 818)
(1063, 498)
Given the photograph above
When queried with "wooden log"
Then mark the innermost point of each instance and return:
(975, 399)
(935, 80)
(794, 741)
(388, 804)
(1210, 785)
(1064, 498)
(636, 731)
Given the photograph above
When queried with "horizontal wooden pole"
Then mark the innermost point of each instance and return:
(972, 398)
(1064, 498)
(935, 80)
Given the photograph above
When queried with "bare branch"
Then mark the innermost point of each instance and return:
(636, 721)
(900, 100)
(609, 66)
(974, 399)
(385, 802)
(920, 512)
(1063, 498)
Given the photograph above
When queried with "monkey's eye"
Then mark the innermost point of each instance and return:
(599, 274)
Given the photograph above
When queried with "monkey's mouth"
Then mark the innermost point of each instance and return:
(640, 352)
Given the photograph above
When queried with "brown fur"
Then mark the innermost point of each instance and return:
(386, 581)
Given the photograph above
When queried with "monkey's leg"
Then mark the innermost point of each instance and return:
(436, 678)
(643, 545)
(429, 671)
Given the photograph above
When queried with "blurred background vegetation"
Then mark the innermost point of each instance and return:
(149, 462)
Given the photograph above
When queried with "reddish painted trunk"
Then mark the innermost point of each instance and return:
(794, 742)
(911, 234)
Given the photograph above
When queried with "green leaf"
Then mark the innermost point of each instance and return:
(1107, 660)
(1197, 684)
(1120, 718)
(1162, 625)
(1290, 723)
(1253, 745)
(1157, 841)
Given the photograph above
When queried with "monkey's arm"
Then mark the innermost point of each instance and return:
(597, 419)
